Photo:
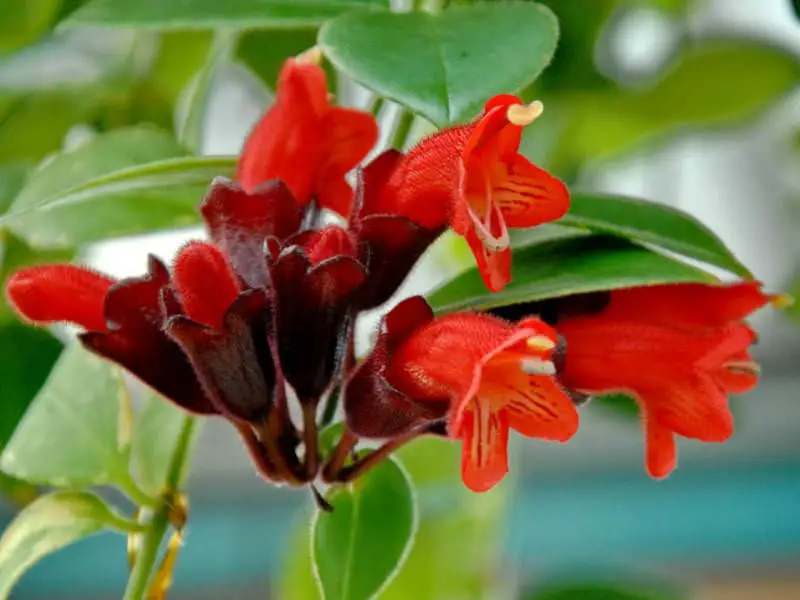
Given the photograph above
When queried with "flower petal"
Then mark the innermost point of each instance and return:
(53, 293)
(205, 283)
(238, 223)
(529, 196)
(536, 405)
(484, 450)
(371, 182)
(349, 136)
(494, 267)
(234, 364)
(661, 456)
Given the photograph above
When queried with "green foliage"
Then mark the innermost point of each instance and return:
(600, 591)
(48, 524)
(265, 51)
(75, 432)
(23, 22)
(211, 14)
(359, 547)
(446, 65)
(566, 266)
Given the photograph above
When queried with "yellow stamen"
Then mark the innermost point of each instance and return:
(524, 114)
(540, 343)
(782, 301)
(312, 56)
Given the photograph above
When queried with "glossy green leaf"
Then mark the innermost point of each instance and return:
(190, 124)
(121, 183)
(73, 432)
(358, 548)
(212, 14)
(651, 223)
(48, 524)
(567, 266)
(12, 178)
(265, 51)
(445, 65)
(26, 357)
(22, 22)
(712, 84)
(157, 429)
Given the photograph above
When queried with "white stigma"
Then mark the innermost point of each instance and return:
(537, 366)
(540, 342)
(524, 114)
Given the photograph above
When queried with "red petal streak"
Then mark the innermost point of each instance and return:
(53, 293)
(484, 450)
(205, 283)
(529, 196)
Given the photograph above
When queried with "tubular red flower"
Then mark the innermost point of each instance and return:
(491, 374)
(678, 349)
(52, 293)
(473, 178)
(306, 142)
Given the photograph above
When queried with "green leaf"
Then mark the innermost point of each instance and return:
(12, 178)
(158, 426)
(23, 22)
(211, 14)
(796, 7)
(651, 223)
(567, 266)
(445, 65)
(71, 433)
(121, 183)
(19, 493)
(48, 524)
(712, 84)
(602, 591)
(190, 124)
(265, 51)
(26, 357)
(358, 548)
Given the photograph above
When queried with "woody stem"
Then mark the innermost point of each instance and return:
(330, 472)
(361, 466)
(311, 458)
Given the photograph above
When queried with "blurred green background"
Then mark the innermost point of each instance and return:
(693, 103)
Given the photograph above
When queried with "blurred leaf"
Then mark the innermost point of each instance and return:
(22, 21)
(446, 65)
(602, 592)
(48, 524)
(651, 223)
(712, 84)
(563, 267)
(157, 429)
(265, 51)
(212, 14)
(619, 404)
(73, 62)
(70, 435)
(329, 437)
(26, 357)
(191, 120)
(796, 7)
(357, 550)
(12, 178)
(34, 126)
(124, 182)
(793, 310)
(19, 493)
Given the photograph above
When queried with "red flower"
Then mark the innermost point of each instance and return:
(472, 177)
(483, 373)
(677, 349)
(306, 142)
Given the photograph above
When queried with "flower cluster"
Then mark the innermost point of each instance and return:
(259, 319)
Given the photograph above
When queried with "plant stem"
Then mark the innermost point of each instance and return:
(157, 527)
(361, 466)
(402, 129)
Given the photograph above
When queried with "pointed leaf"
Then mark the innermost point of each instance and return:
(157, 429)
(23, 22)
(48, 524)
(566, 266)
(445, 65)
(358, 548)
(211, 14)
(127, 181)
(70, 435)
(651, 223)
